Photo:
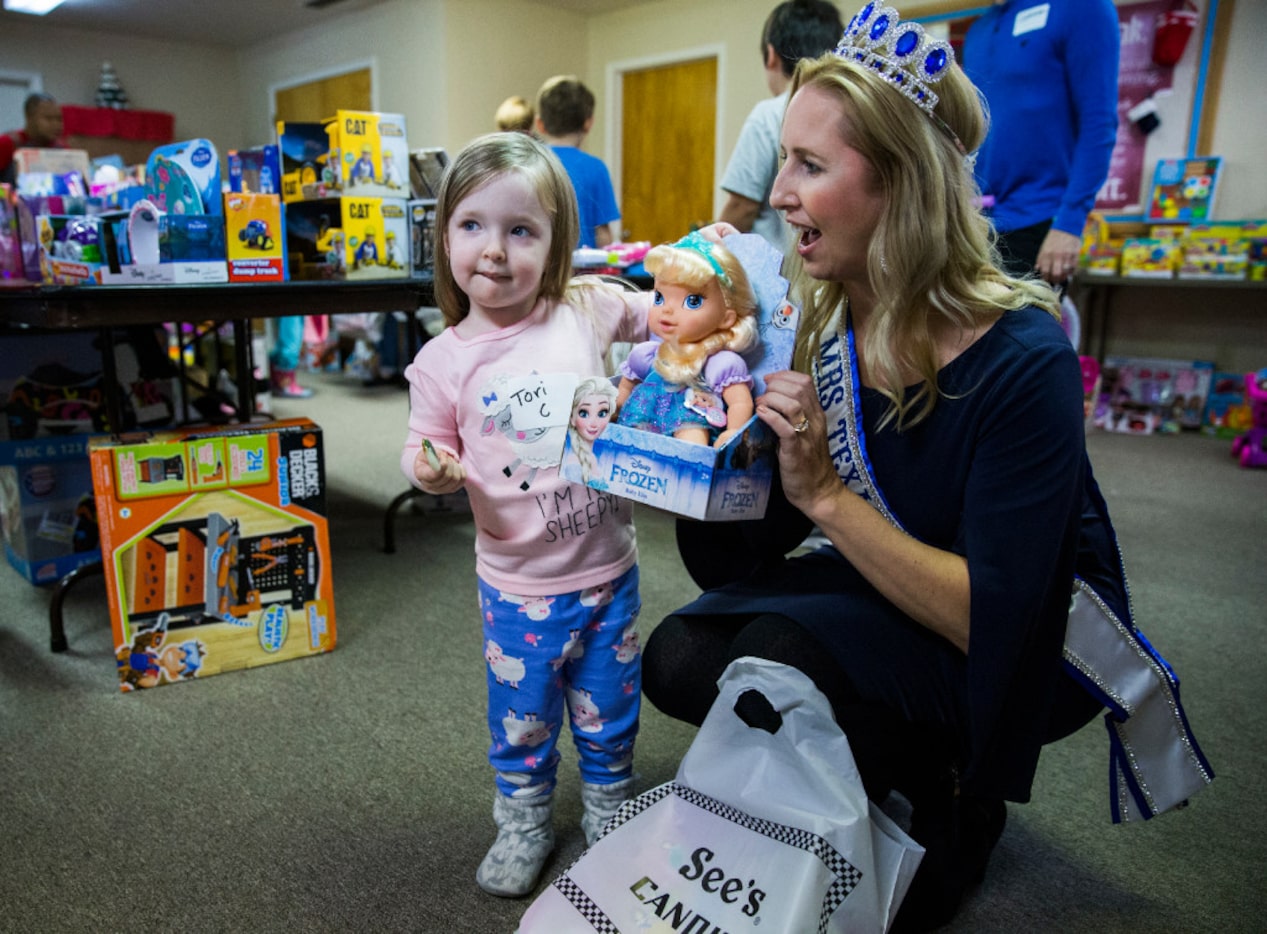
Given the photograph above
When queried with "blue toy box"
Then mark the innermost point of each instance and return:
(52, 400)
(696, 480)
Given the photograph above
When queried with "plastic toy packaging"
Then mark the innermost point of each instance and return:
(691, 382)
(1251, 447)
(686, 438)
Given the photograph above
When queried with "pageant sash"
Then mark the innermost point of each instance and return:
(1155, 762)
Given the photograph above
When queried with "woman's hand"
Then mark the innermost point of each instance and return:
(438, 472)
(928, 584)
(791, 409)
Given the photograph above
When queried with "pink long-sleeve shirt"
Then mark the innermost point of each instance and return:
(536, 534)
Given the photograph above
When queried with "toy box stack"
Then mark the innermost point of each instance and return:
(216, 549)
(52, 398)
(345, 188)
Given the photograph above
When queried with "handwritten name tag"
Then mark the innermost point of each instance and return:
(541, 401)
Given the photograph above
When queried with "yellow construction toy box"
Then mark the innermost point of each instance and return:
(348, 238)
(373, 153)
(216, 548)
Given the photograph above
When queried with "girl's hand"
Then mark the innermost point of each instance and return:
(790, 407)
(718, 230)
(438, 472)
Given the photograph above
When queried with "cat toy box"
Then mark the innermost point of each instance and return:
(309, 161)
(373, 153)
(697, 480)
(255, 238)
(348, 238)
(216, 548)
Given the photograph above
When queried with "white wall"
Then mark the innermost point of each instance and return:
(172, 77)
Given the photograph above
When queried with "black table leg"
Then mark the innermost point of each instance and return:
(389, 519)
(57, 630)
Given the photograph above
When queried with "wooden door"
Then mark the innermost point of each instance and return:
(315, 101)
(668, 149)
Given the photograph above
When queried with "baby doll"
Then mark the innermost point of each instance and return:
(692, 382)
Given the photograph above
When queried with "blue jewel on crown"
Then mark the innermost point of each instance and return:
(903, 54)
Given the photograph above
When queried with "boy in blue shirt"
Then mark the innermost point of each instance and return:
(565, 114)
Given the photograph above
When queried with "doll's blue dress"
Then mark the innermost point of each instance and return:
(661, 407)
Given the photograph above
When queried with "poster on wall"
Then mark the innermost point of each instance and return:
(1139, 78)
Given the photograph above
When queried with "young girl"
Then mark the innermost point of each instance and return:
(704, 311)
(556, 562)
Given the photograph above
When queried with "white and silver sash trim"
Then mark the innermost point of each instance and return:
(1155, 763)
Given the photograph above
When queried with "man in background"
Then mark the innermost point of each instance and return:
(43, 130)
(1048, 71)
(565, 115)
(794, 30)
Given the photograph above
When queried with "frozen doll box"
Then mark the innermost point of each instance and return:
(696, 480)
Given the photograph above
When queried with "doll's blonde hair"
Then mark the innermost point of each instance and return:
(687, 266)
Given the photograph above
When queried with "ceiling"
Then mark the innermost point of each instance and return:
(228, 22)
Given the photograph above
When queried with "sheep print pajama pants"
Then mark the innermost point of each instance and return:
(578, 651)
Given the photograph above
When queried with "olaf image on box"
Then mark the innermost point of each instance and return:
(686, 440)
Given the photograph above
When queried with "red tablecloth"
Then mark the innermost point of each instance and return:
(125, 124)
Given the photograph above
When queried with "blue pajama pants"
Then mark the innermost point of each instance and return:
(578, 651)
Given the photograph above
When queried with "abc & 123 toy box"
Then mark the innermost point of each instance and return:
(216, 548)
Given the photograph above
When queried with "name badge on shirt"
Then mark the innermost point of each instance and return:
(1029, 20)
(541, 401)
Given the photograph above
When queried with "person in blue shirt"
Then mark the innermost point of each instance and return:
(565, 115)
(1048, 71)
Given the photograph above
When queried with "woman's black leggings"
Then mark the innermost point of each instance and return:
(685, 656)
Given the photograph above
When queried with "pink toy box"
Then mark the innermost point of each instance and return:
(1251, 447)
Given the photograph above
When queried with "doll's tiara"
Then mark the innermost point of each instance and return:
(695, 241)
(902, 54)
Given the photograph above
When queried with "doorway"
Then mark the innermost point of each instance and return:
(668, 146)
(316, 99)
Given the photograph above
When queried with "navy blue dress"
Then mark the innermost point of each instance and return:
(998, 473)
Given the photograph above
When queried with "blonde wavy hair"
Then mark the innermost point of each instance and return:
(932, 253)
(687, 267)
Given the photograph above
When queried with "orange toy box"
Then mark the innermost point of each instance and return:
(216, 549)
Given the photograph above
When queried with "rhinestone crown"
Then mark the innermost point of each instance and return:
(903, 54)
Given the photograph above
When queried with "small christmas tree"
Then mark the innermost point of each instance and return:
(109, 91)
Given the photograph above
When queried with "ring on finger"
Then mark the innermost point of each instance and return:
(804, 424)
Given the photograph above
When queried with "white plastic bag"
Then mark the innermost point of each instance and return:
(760, 832)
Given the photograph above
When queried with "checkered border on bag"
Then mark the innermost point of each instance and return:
(845, 876)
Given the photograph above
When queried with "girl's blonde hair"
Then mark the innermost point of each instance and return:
(686, 266)
(482, 160)
(932, 253)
